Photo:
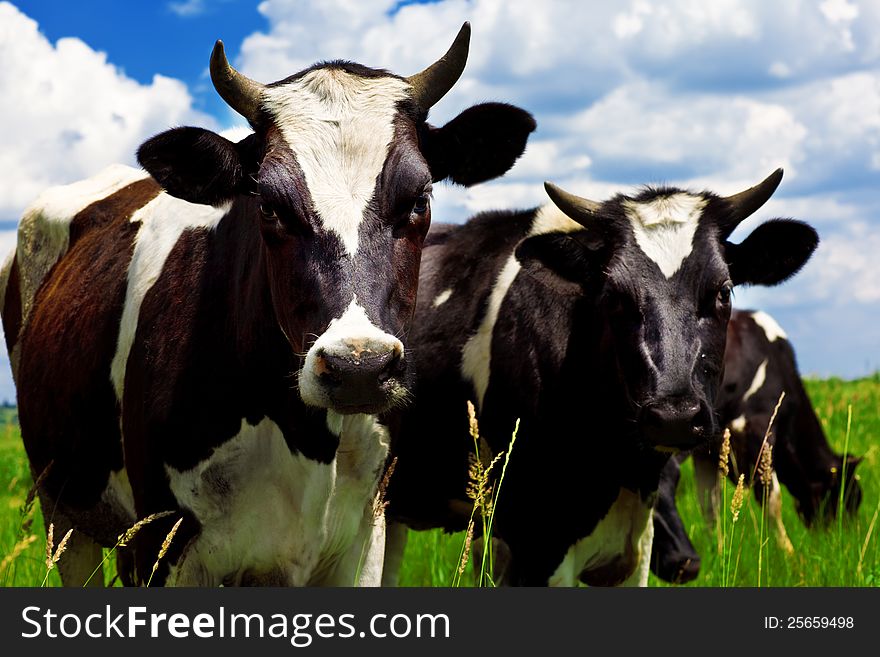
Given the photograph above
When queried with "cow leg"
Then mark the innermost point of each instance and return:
(362, 563)
(396, 534)
(81, 558)
(501, 560)
(774, 512)
(639, 576)
(706, 477)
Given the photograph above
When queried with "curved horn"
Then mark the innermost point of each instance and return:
(581, 210)
(240, 92)
(434, 82)
(747, 202)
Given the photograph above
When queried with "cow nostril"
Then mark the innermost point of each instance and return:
(393, 368)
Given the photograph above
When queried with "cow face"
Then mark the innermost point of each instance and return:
(660, 271)
(337, 179)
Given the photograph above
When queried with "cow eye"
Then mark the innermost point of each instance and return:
(724, 294)
(421, 204)
(268, 212)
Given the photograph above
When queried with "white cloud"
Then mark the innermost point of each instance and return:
(703, 94)
(67, 112)
(187, 8)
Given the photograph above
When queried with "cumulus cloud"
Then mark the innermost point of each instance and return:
(67, 112)
(701, 94)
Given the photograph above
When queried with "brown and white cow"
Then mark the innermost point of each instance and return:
(217, 336)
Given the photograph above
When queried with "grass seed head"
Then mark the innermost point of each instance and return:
(765, 466)
(724, 456)
(165, 545)
(126, 537)
(738, 497)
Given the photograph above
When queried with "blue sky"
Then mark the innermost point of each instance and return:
(700, 94)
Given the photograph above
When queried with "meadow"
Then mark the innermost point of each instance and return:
(847, 553)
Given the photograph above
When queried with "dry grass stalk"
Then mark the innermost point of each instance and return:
(164, 549)
(380, 503)
(767, 433)
(724, 456)
(50, 544)
(738, 497)
(481, 463)
(129, 534)
(765, 465)
(466, 553)
(17, 549)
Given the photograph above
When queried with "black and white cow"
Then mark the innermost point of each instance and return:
(602, 326)
(217, 336)
(759, 365)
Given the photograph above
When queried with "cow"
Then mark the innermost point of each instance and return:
(214, 340)
(760, 365)
(601, 327)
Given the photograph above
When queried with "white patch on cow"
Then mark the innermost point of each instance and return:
(476, 355)
(163, 220)
(757, 381)
(44, 230)
(477, 351)
(439, 300)
(118, 494)
(346, 337)
(664, 228)
(620, 533)
(269, 515)
(738, 424)
(771, 328)
(340, 127)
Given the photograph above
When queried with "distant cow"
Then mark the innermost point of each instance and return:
(602, 326)
(758, 366)
(218, 338)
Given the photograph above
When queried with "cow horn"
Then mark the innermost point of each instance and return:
(581, 210)
(240, 92)
(747, 202)
(434, 82)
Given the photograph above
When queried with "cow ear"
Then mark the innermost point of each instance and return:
(481, 143)
(194, 164)
(773, 252)
(567, 259)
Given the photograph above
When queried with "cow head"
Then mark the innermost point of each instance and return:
(337, 179)
(660, 269)
(828, 488)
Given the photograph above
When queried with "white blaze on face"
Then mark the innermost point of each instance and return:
(771, 328)
(477, 351)
(665, 226)
(340, 127)
(344, 338)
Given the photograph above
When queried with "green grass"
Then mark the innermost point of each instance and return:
(829, 557)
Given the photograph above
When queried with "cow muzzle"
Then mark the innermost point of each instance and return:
(354, 367)
(675, 423)
(360, 376)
